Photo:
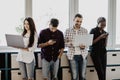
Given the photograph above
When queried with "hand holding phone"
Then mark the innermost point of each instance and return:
(51, 42)
(104, 35)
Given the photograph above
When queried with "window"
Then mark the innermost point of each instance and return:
(44, 10)
(91, 10)
(118, 22)
(10, 15)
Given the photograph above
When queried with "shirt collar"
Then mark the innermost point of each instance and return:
(75, 30)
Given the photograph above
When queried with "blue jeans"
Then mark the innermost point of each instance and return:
(84, 68)
(50, 67)
(78, 67)
(27, 69)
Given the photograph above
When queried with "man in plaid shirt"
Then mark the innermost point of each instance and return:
(76, 55)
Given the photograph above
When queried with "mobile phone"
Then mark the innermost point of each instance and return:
(54, 39)
(107, 33)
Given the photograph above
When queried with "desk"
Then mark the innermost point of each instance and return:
(5, 59)
(8, 51)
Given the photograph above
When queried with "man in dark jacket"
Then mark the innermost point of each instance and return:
(51, 42)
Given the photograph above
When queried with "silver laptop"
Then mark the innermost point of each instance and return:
(14, 40)
(83, 39)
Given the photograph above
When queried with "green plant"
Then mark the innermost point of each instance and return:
(19, 28)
